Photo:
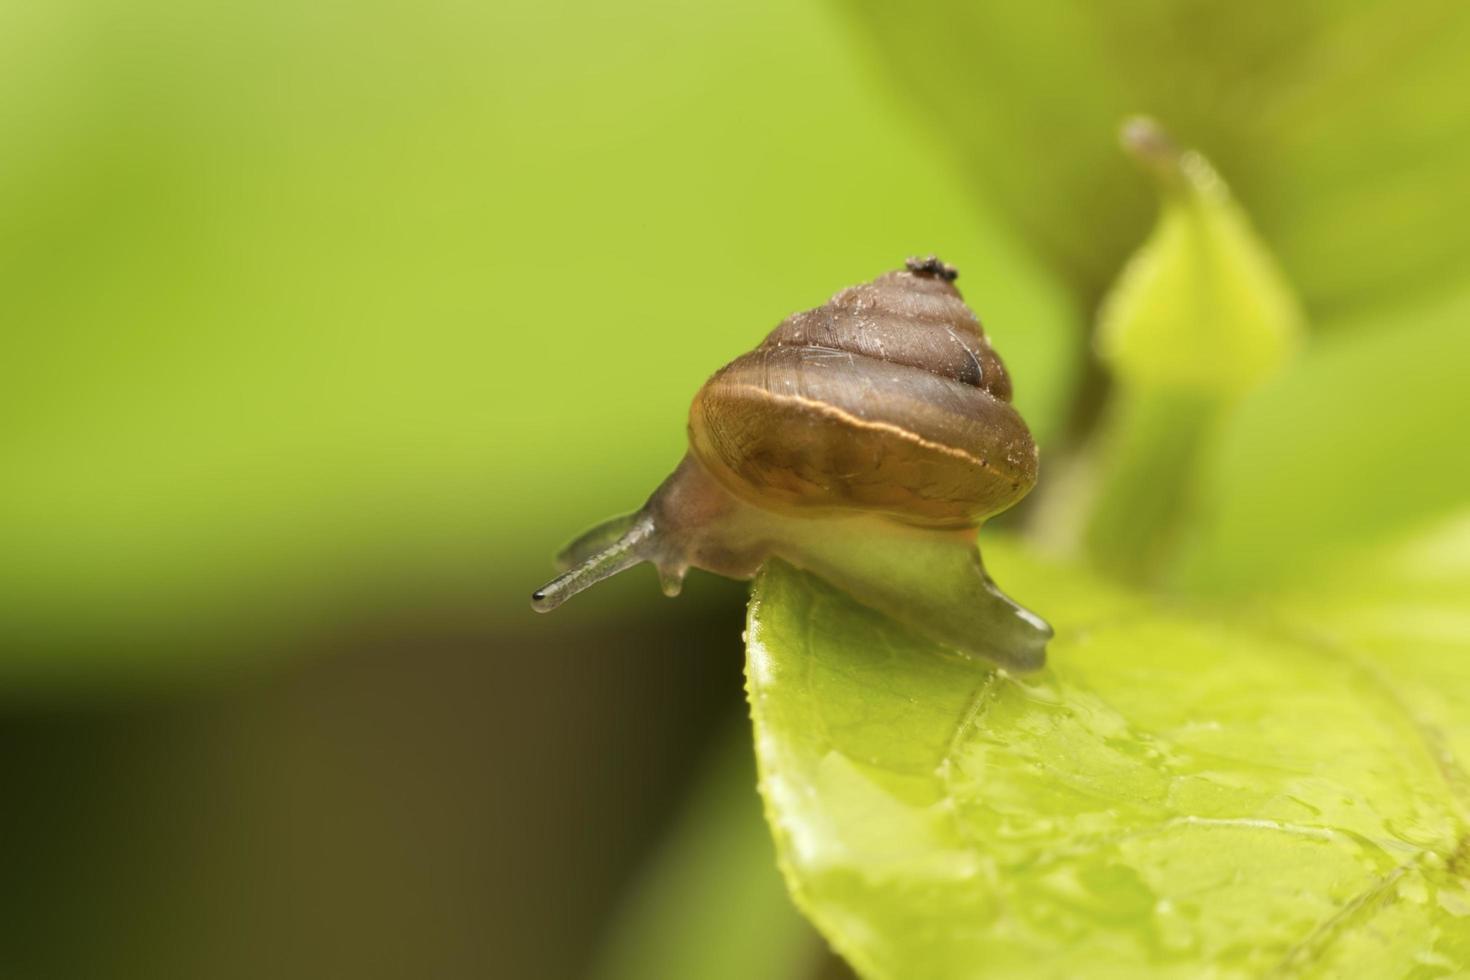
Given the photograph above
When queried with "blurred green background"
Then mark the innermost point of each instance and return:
(325, 324)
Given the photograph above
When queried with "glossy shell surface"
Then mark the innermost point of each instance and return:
(887, 399)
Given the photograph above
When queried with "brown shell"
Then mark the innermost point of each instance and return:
(886, 399)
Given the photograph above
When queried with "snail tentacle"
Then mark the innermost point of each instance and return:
(596, 539)
(623, 553)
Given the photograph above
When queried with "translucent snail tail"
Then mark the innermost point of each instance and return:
(596, 558)
(934, 583)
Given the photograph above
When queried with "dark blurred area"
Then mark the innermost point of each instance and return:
(410, 799)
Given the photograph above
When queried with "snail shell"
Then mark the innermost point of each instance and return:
(866, 441)
(887, 399)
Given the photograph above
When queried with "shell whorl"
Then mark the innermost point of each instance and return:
(888, 398)
(914, 316)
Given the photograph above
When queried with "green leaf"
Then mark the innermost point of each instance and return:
(1201, 306)
(1342, 125)
(1199, 317)
(1186, 791)
(1359, 443)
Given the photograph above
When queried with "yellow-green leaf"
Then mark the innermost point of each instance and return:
(1201, 307)
(1199, 317)
(1186, 791)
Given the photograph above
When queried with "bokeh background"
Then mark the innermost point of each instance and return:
(323, 325)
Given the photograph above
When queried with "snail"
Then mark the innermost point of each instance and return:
(864, 441)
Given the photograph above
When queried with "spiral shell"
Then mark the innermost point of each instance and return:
(888, 398)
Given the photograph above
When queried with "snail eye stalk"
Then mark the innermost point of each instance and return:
(630, 548)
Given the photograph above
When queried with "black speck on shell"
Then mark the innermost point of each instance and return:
(930, 265)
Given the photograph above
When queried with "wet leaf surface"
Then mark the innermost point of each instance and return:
(1186, 790)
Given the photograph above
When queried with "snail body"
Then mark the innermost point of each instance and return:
(865, 441)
